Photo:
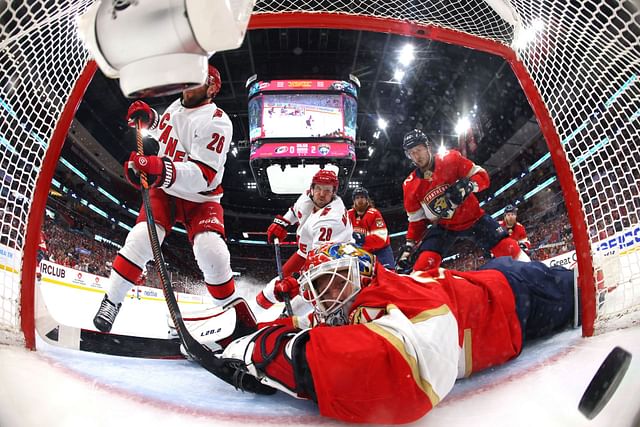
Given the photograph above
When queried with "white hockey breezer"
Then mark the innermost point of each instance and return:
(215, 327)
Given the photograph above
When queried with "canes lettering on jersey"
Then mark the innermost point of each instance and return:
(169, 141)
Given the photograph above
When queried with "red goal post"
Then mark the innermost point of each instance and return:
(578, 72)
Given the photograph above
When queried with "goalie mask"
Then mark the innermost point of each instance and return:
(333, 275)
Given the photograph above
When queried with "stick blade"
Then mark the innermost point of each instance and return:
(605, 382)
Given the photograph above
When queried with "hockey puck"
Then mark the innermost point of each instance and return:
(604, 382)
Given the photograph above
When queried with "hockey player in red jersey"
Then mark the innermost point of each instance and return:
(321, 217)
(440, 192)
(369, 229)
(389, 347)
(185, 186)
(514, 228)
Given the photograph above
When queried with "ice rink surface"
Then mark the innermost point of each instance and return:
(59, 387)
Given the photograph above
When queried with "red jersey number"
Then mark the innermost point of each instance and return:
(325, 234)
(217, 143)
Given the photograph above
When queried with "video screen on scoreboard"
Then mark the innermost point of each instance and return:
(302, 115)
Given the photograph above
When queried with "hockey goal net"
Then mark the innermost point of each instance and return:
(577, 62)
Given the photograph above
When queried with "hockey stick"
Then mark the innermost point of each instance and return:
(55, 333)
(226, 371)
(285, 297)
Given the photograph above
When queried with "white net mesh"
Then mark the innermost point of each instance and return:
(583, 58)
(40, 60)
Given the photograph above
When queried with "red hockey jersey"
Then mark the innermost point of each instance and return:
(517, 232)
(410, 337)
(372, 226)
(424, 196)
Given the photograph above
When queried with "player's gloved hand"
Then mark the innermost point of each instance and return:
(459, 191)
(139, 111)
(235, 372)
(404, 264)
(287, 286)
(278, 229)
(359, 238)
(270, 356)
(160, 170)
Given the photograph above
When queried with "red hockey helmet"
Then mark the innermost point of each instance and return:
(332, 276)
(214, 80)
(325, 177)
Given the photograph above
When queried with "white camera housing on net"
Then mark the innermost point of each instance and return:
(160, 47)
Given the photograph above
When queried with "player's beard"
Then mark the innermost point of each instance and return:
(361, 207)
(322, 204)
(194, 97)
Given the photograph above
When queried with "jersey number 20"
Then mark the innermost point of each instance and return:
(325, 234)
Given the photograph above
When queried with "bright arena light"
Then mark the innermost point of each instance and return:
(462, 126)
(406, 55)
(382, 123)
(398, 75)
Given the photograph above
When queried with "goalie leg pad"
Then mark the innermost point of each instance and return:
(508, 247)
(427, 260)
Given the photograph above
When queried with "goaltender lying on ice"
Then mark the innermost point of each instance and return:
(386, 348)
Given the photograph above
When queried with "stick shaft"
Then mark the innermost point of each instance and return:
(285, 297)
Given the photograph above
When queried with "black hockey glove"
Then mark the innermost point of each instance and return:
(459, 191)
(359, 238)
(404, 263)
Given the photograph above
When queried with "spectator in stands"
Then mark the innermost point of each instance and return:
(514, 228)
(369, 228)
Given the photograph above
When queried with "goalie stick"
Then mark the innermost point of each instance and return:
(55, 333)
(285, 297)
(228, 371)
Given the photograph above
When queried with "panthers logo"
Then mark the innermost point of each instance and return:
(437, 206)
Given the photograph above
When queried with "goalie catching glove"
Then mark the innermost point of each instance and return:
(459, 191)
(160, 171)
(276, 357)
(278, 229)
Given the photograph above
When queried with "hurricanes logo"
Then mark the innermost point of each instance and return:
(142, 161)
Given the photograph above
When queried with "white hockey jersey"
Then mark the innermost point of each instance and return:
(329, 224)
(195, 138)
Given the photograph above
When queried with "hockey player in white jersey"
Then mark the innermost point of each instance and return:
(321, 218)
(184, 186)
